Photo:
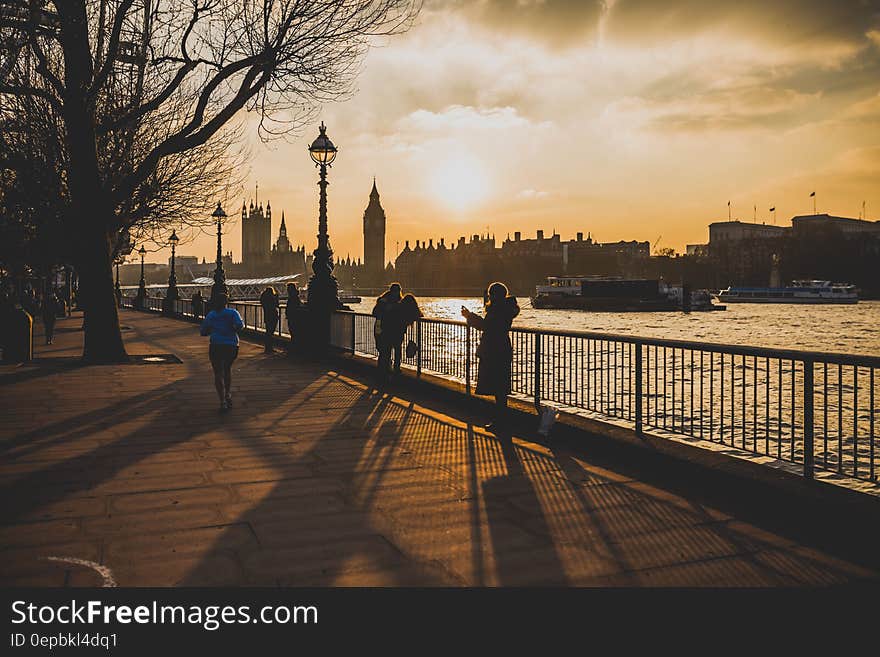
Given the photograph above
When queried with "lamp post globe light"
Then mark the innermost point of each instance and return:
(219, 286)
(142, 284)
(323, 291)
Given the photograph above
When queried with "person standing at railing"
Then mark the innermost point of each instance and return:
(398, 318)
(271, 315)
(223, 325)
(386, 302)
(495, 351)
(198, 304)
(293, 312)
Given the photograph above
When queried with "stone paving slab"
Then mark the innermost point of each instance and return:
(317, 478)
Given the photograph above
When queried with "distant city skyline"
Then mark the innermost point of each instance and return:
(634, 121)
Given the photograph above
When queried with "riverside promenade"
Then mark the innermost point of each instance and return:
(129, 475)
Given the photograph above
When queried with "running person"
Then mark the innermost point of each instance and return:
(223, 324)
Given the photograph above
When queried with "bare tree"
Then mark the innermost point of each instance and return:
(140, 84)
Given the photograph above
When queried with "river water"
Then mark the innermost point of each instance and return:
(851, 329)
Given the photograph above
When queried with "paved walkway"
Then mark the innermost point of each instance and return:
(130, 473)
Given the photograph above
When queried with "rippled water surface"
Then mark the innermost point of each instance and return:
(848, 329)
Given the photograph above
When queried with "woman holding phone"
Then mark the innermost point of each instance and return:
(495, 352)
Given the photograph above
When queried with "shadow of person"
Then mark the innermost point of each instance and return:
(311, 519)
(510, 558)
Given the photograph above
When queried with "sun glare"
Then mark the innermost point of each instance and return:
(460, 183)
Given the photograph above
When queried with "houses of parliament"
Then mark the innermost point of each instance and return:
(464, 265)
(262, 258)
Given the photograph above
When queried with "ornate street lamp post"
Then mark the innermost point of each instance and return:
(142, 284)
(219, 286)
(117, 262)
(172, 295)
(323, 292)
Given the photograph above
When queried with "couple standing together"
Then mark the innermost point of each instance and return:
(395, 313)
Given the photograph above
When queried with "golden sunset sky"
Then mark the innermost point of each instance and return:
(630, 119)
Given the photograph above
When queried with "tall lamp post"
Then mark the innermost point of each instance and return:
(219, 286)
(172, 295)
(117, 262)
(323, 292)
(142, 284)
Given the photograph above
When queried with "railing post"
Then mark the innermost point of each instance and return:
(537, 382)
(353, 329)
(639, 400)
(467, 359)
(419, 348)
(808, 419)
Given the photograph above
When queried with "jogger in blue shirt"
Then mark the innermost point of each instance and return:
(223, 325)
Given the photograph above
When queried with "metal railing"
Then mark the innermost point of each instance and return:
(815, 410)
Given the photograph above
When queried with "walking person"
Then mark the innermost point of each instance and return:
(495, 352)
(50, 315)
(386, 302)
(292, 310)
(271, 314)
(398, 318)
(223, 325)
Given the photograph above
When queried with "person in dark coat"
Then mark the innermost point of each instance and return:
(50, 314)
(398, 318)
(198, 304)
(386, 302)
(495, 352)
(271, 314)
(292, 311)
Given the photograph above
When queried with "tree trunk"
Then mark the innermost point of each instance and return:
(103, 338)
(91, 214)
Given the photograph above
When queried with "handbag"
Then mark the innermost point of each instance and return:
(411, 349)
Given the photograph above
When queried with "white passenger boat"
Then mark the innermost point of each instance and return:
(798, 292)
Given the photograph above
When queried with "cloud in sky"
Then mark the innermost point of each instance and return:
(627, 115)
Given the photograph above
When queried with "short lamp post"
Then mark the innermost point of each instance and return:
(142, 284)
(323, 291)
(219, 286)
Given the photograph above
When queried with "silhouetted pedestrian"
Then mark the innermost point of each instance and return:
(50, 314)
(495, 352)
(29, 302)
(386, 301)
(292, 312)
(223, 325)
(271, 313)
(397, 319)
(198, 304)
